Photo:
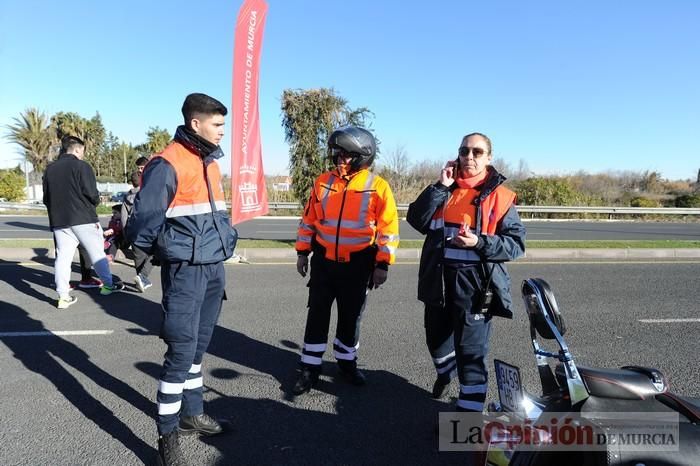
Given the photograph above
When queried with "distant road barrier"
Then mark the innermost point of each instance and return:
(611, 211)
(21, 206)
(523, 209)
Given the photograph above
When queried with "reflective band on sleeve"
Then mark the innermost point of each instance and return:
(188, 210)
(313, 360)
(471, 405)
(444, 358)
(195, 368)
(169, 408)
(170, 388)
(469, 389)
(304, 239)
(315, 347)
(193, 383)
(306, 226)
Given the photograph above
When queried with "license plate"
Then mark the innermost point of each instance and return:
(510, 390)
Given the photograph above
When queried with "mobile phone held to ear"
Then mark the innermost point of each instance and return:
(454, 165)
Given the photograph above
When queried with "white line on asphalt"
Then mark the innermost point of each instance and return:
(663, 321)
(48, 333)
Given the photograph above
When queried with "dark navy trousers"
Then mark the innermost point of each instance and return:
(192, 297)
(439, 337)
(346, 284)
(471, 334)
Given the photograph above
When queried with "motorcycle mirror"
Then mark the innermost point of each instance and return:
(540, 301)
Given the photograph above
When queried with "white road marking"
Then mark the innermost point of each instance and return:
(57, 333)
(663, 321)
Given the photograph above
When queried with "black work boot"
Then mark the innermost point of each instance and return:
(169, 451)
(352, 374)
(203, 424)
(307, 379)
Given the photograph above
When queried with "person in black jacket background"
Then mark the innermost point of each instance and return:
(71, 198)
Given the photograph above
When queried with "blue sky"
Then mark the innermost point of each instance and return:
(564, 85)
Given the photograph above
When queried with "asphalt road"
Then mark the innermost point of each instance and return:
(284, 228)
(88, 399)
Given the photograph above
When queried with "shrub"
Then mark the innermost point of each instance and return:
(688, 200)
(644, 202)
(549, 191)
(11, 185)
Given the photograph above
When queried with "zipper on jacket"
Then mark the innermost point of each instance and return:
(340, 219)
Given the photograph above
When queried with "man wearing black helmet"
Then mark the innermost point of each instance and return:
(350, 228)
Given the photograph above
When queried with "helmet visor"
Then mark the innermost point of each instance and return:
(336, 152)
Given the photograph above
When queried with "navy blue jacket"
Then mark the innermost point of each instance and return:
(204, 238)
(507, 244)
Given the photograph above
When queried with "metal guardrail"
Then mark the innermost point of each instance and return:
(554, 209)
(21, 206)
(611, 211)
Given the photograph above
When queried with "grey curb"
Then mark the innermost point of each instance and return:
(287, 255)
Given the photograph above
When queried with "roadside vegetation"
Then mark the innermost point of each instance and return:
(308, 116)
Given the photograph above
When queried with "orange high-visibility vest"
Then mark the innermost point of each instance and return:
(192, 195)
(346, 215)
(460, 208)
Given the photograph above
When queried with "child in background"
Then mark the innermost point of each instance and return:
(114, 236)
(143, 263)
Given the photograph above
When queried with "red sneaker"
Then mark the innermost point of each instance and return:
(90, 283)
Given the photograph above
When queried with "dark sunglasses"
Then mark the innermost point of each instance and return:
(477, 151)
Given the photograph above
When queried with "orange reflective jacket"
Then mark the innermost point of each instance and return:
(192, 195)
(349, 214)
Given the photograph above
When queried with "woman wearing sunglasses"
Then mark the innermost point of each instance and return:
(472, 228)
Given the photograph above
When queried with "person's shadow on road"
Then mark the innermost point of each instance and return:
(40, 354)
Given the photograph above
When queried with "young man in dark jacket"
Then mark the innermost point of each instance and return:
(71, 196)
(180, 215)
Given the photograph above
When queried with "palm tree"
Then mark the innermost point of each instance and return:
(33, 134)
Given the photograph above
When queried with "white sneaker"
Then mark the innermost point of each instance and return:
(65, 302)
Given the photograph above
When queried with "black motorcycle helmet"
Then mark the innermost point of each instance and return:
(354, 141)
